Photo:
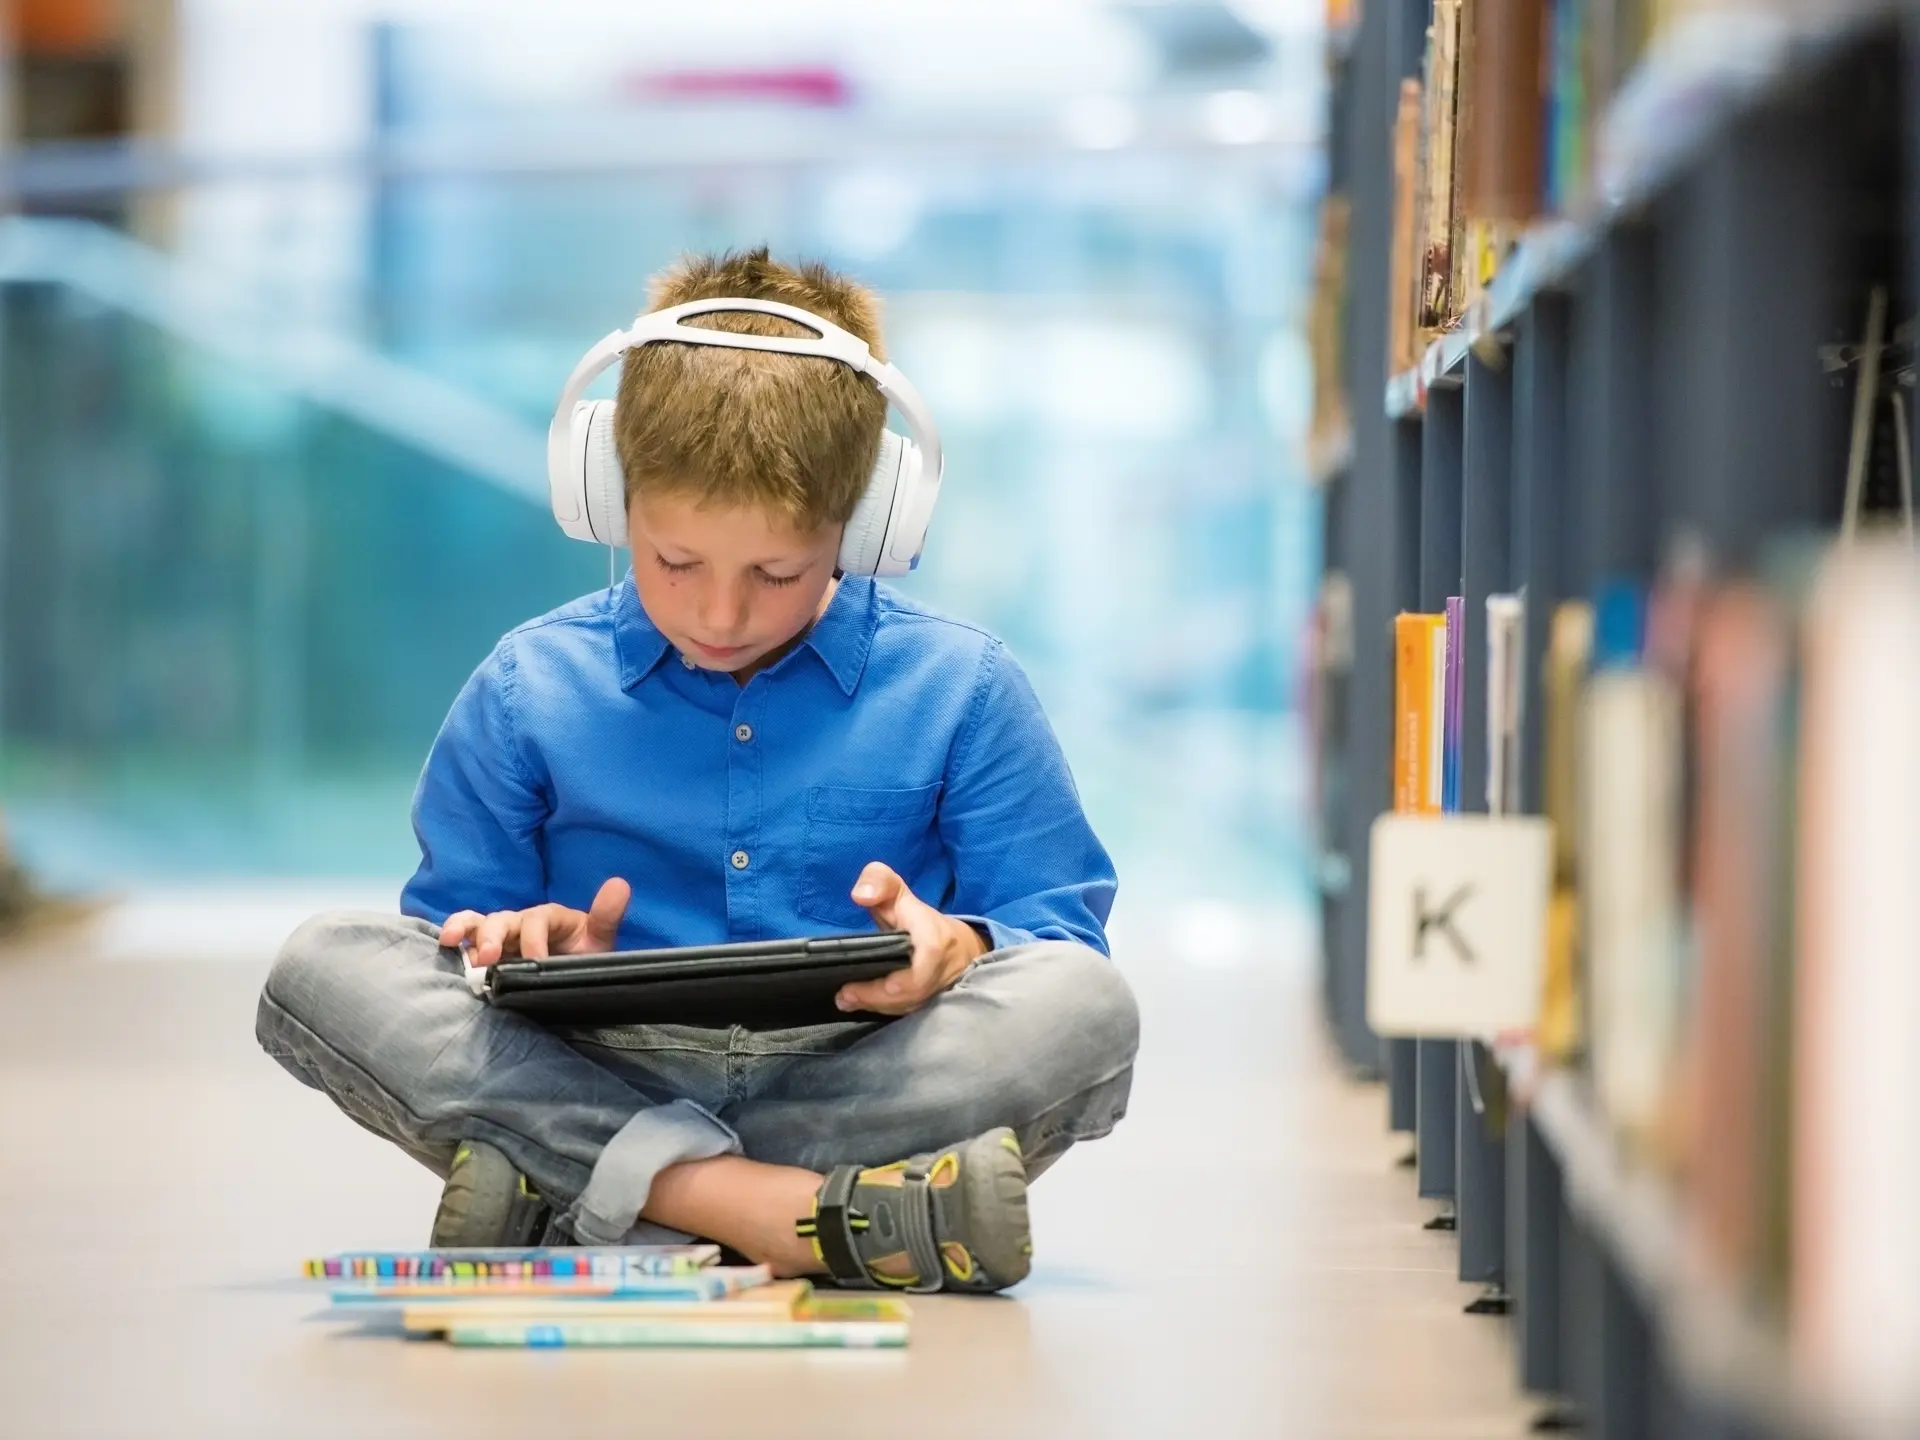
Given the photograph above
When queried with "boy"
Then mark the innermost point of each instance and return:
(738, 743)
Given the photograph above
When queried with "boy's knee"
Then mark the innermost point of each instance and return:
(1077, 1005)
(1086, 991)
(334, 960)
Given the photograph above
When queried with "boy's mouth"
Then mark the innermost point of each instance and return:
(719, 652)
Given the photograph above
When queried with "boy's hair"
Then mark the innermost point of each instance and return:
(794, 434)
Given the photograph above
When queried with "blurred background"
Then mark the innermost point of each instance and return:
(286, 292)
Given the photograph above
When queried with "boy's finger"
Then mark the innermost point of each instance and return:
(494, 934)
(871, 995)
(878, 885)
(533, 932)
(609, 908)
(460, 926)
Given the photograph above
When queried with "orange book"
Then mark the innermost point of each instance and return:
(1416, 713)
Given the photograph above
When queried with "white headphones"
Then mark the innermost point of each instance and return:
(888, 526)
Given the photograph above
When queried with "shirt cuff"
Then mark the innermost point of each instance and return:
(999, 937)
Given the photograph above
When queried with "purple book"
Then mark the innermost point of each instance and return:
(1452, 710)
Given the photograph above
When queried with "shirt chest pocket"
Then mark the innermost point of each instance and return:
(848, 827)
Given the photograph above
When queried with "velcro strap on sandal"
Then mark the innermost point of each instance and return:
(834, 1228)
(916, 1225)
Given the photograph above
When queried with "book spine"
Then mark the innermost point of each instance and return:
(1413, 681)
(698, 1335)
(1437, 716)
(1855, 1160)
(1505, 699)
(1403, 302)
(1455, 717)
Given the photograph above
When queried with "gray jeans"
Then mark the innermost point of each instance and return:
(368, 1008)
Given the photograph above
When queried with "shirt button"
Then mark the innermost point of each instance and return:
(738, 859)
(743, 733)
(687, 660)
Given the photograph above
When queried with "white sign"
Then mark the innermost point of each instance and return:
(1456, 925)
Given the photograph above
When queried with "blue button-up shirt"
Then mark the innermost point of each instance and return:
(585, 748)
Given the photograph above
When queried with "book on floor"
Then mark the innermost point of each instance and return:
(823, 1322)
(780, 1300)
(515, 1262)
(714, 1283)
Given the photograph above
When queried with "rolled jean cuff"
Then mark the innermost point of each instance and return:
(623, 1175)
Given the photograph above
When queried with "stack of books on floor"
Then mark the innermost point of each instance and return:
(636, 1297)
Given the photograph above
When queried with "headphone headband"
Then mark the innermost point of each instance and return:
(830, 342)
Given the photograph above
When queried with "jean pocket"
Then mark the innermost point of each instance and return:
(848, 827)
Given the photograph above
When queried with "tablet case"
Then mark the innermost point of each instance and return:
(761, 984)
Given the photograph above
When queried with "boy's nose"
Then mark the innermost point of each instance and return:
(725, 613)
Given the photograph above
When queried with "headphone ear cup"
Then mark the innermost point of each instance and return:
(863, 542)
(604, 483)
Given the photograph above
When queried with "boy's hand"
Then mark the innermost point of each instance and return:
(943, 947)
(542, 931)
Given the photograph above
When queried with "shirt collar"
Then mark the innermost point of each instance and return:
(640, 645)
(841, 637)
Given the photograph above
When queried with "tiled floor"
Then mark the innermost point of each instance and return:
(1240, 1258)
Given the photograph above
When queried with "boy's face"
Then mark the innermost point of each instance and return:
(728, 587)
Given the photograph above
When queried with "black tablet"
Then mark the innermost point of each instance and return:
(762, 984)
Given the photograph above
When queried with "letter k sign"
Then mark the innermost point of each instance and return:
(1426, 921)
(1456, 924)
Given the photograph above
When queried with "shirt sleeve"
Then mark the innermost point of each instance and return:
(478, 809)
(1027, 865)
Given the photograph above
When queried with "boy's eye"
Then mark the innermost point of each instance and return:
(673, 569)
(766, 579)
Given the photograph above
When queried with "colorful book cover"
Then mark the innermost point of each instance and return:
(1416, 702)
(1454, 715)
(778, 1302)
(715, 1283)
(609, 1262)
(827, 1322)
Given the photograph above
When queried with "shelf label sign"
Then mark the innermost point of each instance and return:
(1456, 924)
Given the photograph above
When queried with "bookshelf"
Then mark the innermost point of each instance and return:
(1643, 369)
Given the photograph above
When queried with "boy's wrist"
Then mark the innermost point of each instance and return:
(972, 940)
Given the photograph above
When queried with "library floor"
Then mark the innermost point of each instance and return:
(1240, 1258)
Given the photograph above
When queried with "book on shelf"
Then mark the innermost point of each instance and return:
(1403, 332)
(1331, 427)
(1855, 1052)
(1569, 651)
(1330, 666)
(1567, 115)
(1506, 700)
(1466, 119)
(1629, 872)
(1740, 871)
(1434, 242)
(1419, 693)
(1453, 708)
(1504, 135)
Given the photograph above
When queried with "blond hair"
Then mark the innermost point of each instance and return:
(794, 434)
